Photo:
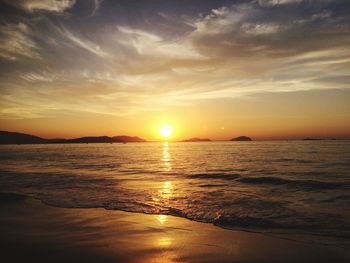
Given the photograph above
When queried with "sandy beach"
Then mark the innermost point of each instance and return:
(32, 231)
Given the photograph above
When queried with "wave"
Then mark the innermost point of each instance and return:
(292, 160)
(223, 176)
(280, 226)
(272, 180)
(305, 184)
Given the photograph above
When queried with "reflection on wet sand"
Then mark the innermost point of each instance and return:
(164, 241)
(162, 219)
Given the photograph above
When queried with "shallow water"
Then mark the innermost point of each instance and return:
(299, 186)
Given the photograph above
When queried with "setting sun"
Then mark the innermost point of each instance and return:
(165, 131)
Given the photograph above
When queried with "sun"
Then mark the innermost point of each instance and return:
(165, 131)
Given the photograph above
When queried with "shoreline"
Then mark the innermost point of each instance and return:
(46, 233)
(283, 234)
(294, 235)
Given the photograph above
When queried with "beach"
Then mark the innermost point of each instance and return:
(34, 232)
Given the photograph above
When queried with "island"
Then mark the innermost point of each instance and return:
(241, 139)
(7, 137)
(197, 140)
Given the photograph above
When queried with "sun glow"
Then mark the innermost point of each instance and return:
(165, 131)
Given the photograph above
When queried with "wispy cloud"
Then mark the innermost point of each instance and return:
(84, 43)
(261, 29)
(43, 5)
(16, 42)
(278, 2)
(96, 6)
(151, 44)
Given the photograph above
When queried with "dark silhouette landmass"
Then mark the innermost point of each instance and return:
(197, 140)
(312, 139)
(18, 138)
(124, 138)
(241, 139)
(21, 138)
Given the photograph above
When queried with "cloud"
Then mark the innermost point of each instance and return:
(83, 43)
(278, 2)
(223, 19)
(150, 44)
(43, 5)
(245, 30)
(261, 29)
(15, 42)
(96, 6)
(39, 77)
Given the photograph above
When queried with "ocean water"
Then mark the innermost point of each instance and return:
(295, 186)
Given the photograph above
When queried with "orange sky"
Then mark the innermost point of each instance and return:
(274, 116)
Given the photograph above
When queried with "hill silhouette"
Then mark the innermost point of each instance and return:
(241, 139)
(312, 139)
(7, 137)
(197, 140)
(18, 138)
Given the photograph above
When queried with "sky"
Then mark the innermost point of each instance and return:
(267, 69)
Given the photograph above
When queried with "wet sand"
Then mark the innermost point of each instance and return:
(34, 232)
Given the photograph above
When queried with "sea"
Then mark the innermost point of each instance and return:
(264, 186)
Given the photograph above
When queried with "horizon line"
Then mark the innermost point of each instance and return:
(204, 139)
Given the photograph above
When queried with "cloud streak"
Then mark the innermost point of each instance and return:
(43, 5)
(84, 43)
(16, 43)
(96, 6)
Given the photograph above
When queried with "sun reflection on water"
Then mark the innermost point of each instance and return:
(164, 194)
(166, 191)
(166, 158)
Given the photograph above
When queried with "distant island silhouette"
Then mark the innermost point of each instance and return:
(7, 137)
(241, 139)
(197, 140)
(22, 138)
